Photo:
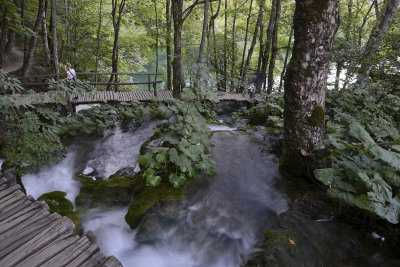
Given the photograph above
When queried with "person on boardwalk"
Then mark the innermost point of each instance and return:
(71, 74)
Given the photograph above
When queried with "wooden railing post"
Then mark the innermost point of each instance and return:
(155, 88)
(149, 81)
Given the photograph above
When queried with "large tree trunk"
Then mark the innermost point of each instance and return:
(225, 45)
(253, 43)
(157, 44)
(267, 48)
(117, 12)
(54, 39)
(168, 43)
(98, 39)
(233, 47)
(210, 28)
(375, 40)
(178, 75)
(305, 81)
(245, 38)
(4, 33)
(45, 38)
(203, 33)
(274, 48)
(26, 67)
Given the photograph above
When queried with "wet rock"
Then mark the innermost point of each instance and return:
(128, 171)
(89, 171)
(11, 176)
(91, 236)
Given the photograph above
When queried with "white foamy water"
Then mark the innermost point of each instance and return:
(216, 127)
(55, 178)
(1, 163)
(119, 149)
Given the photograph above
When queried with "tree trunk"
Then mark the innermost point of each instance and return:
(375, 40)
(178, 75)
(245, 39)
(211, 27)
(117, 13)
(305, 81)
(98, 40)
(225, 45)
(45, 38)
(168, 43)
(286, 57)
(274, 48)
(203, 33)
(54, 39)
(233, 47)
(4, 33)
(26, 67)
(265, 55)
(253, 43)
(155, 77)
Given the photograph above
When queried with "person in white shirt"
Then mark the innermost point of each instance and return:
(71, 74)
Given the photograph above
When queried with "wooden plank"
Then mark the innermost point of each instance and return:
(34, 206)
(83, 257)
(3, 187)
(10, 190)
(12, 198)
(45, 237)
(14, 208)
(112, 262)
(68, 254)
(18, 236)
(49, 251)
(95, 260)
(3, 180)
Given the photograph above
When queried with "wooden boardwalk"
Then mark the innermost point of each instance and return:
(110, 96)
(31, 236)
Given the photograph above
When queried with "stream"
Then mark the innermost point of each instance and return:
(223, 218)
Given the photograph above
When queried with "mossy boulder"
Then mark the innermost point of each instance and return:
(58, 203)
(150, 197)
(259, 114)
(116, 191)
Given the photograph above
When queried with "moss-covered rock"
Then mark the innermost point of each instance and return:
(58, 203)
(116, 191)
(150, 197)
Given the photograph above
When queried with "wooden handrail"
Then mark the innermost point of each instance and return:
(93, 73)
(102, 83)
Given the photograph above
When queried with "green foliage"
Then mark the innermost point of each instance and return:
(365, 159)
(182, 154)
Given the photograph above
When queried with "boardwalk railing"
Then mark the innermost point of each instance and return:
(40, 80)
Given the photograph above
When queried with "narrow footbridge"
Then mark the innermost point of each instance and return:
(31, 236)
(111, 96)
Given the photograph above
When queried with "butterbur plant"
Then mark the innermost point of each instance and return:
(184, 142)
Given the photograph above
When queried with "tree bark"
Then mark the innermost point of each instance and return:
(305, 81)
(155, 77)
(267, 48)
(274, 48)
(203, 33)
(225, 45)
(178, 75)
(210, 28)
(54, 39)
(117, 13)
(45, 38)
(245, 39)
(26, 67)
(4, 33)
(253, 43)
(98, 39)
(168, 43)
(375, 40)
(233, 47)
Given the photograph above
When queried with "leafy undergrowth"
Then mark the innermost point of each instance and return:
(365, 142)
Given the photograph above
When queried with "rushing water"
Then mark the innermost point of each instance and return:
(224, 216)
(118, 148)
